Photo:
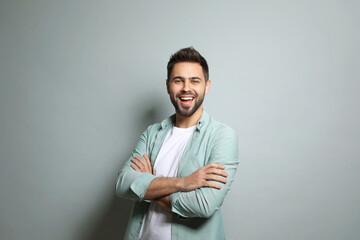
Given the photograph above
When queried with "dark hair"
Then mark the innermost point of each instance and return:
(187, 55)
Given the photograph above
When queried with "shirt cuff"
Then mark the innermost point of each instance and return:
(173, 199)
(141, 184)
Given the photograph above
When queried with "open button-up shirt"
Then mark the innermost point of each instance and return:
(196, 214)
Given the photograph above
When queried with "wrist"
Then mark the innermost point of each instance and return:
(180, 184)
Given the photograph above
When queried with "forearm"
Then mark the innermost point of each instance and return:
(163, 186)
(163, 202)
(202, 202)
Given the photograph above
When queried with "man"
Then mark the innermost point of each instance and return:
(182, 168)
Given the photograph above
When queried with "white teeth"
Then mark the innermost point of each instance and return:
(186, 98)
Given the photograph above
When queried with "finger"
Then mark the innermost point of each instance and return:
(135, 167)
(145, 165)
(140, 160)
(138, 163)
(147, 159)
(216, 178)
(213, 185)
(215, 165)
(218, 172)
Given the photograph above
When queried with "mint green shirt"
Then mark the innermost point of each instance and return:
(196, 214)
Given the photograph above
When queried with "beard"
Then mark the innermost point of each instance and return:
(187, 111)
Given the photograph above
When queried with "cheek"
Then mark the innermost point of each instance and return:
(173, 90)
(172, 93)
(201, 90)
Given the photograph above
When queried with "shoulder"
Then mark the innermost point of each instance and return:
(219, 129)
(153, 129)
(222, 139)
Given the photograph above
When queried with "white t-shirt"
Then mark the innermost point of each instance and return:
(157, 221)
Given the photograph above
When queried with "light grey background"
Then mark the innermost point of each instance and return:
(81, 80)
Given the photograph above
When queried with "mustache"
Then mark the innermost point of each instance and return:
(187, 94)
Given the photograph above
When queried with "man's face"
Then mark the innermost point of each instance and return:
(187, 87)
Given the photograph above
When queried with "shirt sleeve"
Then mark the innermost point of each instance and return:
(203, 202)
(130, 183)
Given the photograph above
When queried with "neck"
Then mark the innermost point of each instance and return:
(186, 122)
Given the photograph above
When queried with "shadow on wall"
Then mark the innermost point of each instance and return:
(112, 225)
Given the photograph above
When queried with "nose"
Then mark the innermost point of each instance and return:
(186, 86)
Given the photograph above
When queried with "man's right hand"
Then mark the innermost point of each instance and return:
(203, 177)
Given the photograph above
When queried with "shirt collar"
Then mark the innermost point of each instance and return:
(170, 121)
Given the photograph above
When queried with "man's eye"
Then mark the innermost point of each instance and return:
(177, 81)
(195, 81)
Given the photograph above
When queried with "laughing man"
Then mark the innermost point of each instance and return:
(182, 168)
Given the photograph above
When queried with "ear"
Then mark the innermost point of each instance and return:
(167, 86)
(207, 87)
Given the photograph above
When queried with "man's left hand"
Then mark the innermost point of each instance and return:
(142, 165)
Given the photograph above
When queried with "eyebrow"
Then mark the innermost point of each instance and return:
(182, 78)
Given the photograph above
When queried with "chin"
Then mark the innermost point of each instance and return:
(186, 113)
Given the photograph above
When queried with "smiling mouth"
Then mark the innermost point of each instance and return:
(186, 101)
(187, 98)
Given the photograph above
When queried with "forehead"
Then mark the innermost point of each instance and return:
(187, 70)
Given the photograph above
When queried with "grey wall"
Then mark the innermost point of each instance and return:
(80, 81)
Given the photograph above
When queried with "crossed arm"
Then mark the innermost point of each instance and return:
(160, 188)
(198, 195)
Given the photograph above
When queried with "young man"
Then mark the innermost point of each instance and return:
(182, 168)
